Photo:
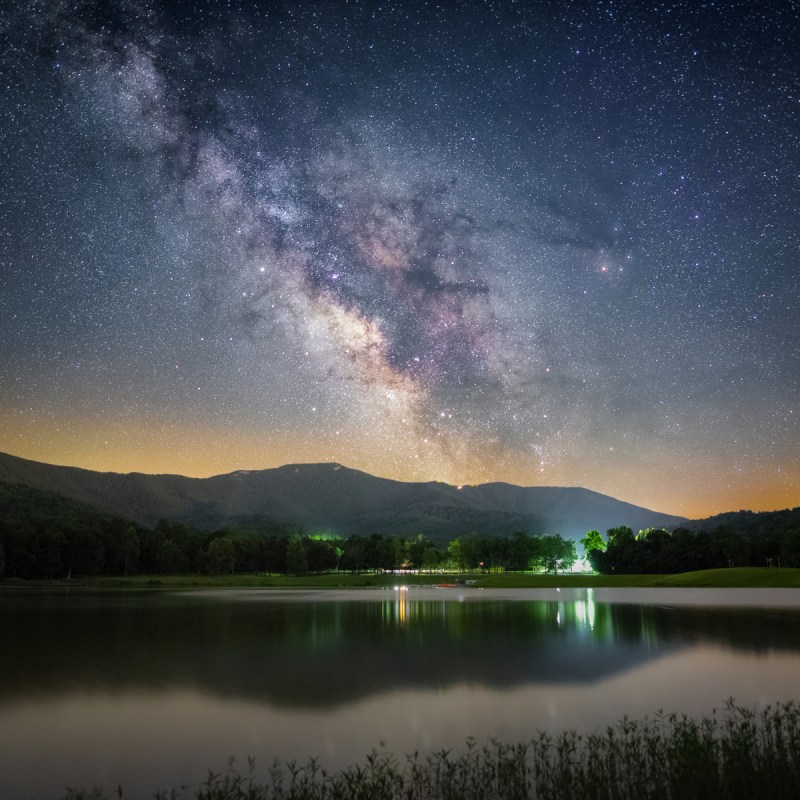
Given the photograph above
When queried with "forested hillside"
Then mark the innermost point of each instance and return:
(44, 535)
(334, 499)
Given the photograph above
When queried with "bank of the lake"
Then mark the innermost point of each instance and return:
(736, 754)
(733, 577)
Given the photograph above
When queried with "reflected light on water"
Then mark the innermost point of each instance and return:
(159, 688)
(584, 610)
(397, 611)
(402, 605)
(149, 741)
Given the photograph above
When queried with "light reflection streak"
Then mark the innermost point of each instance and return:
(402, 606)
(585, 610)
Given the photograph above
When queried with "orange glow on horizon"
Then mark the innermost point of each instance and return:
(199, 452)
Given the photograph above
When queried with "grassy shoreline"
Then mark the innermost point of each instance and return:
(734, 577)
(737, 753)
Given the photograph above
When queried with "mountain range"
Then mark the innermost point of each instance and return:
(335, 499)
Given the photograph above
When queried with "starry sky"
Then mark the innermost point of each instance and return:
(550, 243)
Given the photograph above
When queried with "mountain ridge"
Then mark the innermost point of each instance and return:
(337, 499)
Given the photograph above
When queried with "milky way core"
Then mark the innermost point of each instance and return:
(543, 243)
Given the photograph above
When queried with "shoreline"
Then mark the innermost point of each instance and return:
(728, 578)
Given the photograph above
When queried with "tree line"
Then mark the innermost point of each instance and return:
(46, 535)
(116, 547)
(776, 543)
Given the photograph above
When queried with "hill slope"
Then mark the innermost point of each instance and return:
(330, 497)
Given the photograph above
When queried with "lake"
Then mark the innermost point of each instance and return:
(150, 689)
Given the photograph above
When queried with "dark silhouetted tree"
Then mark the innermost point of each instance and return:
(790, 549)
(321, 555)
(296, 558)
(85, 553)
(274, 553)
(130, 550)
(221, 556)
(48, 551)
(519, 552)
(352, 559)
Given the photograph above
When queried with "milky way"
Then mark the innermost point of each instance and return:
(541, 243)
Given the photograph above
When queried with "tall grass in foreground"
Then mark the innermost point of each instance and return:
(737, 754)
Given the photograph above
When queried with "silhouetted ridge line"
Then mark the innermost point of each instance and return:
(339, 500)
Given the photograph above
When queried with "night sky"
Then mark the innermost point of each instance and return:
(546, 243)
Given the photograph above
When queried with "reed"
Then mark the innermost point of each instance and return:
(737, 753)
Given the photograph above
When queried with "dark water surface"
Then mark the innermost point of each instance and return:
(151, 689)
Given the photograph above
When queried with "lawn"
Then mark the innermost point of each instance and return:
(768, 577)
(733, 577)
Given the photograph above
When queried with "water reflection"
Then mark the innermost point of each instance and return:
(151, 690)
(312, 651)
(397, 611)
(584, 610)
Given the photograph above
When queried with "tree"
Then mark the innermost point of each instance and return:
(375, 553)
(536, 551)
(296, 558)
(392, 553)
(221, 556)
(85, 553)
(492, 552)
(416, 551)
(593, 540)
(169, 559)
(621, 555)
(465, 552)
(247, 552)
(683, 550)
(431, 558)
(274, 554)
(130, 549)
(321, 555)
(790, 549)
(569, 555)
(48, 550)
(653, 548)
(352, 559)
(455, 552)
(19, 561)
(728, 547)
(620, 535)
(519, 552)
(555, 553)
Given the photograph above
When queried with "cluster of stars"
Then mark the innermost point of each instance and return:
(526, 243)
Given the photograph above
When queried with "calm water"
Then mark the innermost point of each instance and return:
(150, 690)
